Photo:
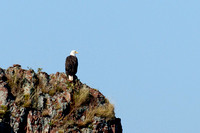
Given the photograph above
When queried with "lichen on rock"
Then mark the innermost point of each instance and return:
(40, 103)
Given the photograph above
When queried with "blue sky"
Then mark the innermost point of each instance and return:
(142, 55)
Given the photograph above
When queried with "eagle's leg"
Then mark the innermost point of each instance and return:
(70, 78)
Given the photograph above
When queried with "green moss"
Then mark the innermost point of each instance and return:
(50, 124)
(26, 97)
(4, 107)
(90, 126)
(27, 103)
(2, 112)
(58, 106)
(70, 84)
(61, 131)
(52, 92)
(59, 89)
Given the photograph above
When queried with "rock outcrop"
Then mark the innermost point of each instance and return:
(33, 102)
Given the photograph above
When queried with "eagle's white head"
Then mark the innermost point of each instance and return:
(73, 53)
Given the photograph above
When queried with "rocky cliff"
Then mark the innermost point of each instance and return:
(40, 103)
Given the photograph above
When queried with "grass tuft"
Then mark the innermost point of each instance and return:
(39, 70)
(106, 110)
(81, 97)
(68, 122)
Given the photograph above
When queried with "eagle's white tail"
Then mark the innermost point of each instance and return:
(71, 78)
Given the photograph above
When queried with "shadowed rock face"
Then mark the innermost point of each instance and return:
(40, 103)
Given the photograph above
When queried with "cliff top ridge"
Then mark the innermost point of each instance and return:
(35, 102)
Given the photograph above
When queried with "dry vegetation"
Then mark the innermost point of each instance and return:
(106, 110)
(81, 97)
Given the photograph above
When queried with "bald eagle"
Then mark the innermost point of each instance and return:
(71, 65)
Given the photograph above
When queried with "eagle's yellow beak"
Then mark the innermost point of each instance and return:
(76, 52)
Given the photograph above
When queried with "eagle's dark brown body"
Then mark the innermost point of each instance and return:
(71, 65)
